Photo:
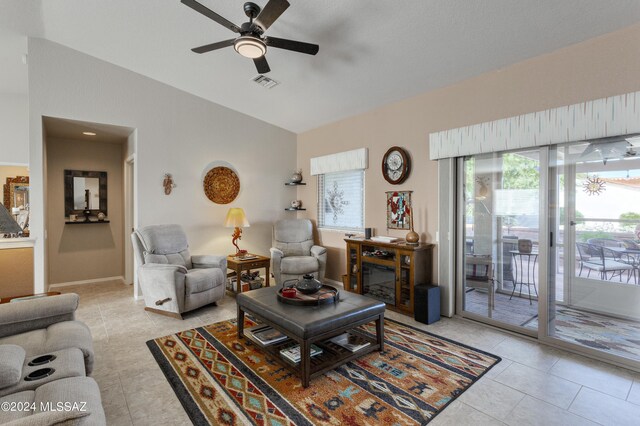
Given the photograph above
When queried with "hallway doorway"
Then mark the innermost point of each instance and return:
(85, 201)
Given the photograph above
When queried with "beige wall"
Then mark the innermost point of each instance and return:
(16, 265)
(600, 67)
(84, 252)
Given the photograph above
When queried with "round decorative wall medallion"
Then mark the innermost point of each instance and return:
(221, 185)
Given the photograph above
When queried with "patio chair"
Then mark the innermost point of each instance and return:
(603, 260)
(620, 262)
(588, 259)
(607, 243)
(622, 257)
(479, 275)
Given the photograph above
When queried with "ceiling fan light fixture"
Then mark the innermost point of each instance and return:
(250, 47)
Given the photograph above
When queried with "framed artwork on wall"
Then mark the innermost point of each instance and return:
(399, 209)
(16, 192)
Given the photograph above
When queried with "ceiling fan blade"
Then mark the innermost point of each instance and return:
(270, 12)
(296, 46)
(211, 15)
(214, 46)
(262, 65)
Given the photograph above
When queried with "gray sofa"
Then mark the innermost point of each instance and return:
(173, 281)
(294, 253)
(45, 356)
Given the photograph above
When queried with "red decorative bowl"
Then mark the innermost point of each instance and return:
(289, 292)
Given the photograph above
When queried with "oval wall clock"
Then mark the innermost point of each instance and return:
(221, 185)
(396, 165)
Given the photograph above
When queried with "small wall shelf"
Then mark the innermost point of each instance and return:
(82, 222)
(294, 209)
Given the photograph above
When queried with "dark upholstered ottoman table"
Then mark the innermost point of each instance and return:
(309, 325)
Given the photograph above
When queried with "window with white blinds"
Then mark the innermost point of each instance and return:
(341, 200)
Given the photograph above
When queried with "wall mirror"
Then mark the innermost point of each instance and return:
(86, 193)
(85, 190)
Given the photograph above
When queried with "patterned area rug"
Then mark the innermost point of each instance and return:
(613, 335)
(222, 380)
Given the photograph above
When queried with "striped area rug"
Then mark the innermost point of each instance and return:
(223, 380)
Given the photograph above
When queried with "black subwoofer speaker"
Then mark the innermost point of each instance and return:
(426, 303)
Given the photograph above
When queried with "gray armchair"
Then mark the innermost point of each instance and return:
(46, 325)
(293, 253)
(173, 281)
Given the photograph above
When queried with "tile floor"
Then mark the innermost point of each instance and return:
(533, 385)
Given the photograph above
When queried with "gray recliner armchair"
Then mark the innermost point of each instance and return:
(173, 281)
(293, 253)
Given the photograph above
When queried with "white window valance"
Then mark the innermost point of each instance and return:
(357, 159)
(613, 116)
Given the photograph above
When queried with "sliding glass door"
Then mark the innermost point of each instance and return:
(549, 244)
(596, 186)
(499, 223)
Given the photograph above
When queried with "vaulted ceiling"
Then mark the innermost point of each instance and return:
(371, 52)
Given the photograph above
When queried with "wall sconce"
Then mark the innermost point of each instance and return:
(168, 183)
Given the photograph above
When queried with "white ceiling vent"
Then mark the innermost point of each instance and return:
(265, 81)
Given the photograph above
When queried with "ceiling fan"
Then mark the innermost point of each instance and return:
(608, 149)
(251, 43)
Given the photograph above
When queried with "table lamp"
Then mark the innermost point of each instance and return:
(236, 219)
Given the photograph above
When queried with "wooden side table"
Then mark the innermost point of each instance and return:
(238, 265)
(29, 296)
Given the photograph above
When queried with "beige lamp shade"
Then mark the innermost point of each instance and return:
(236, 218)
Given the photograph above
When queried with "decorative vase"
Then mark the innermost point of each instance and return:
(308, 284)
(296, 177)
(525, 246)
(412, 237)
(296, 204)
(101, 216)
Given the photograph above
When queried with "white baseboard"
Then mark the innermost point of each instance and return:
(84, 282)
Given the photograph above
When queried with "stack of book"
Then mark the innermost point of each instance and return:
(267, 335)
(292, 353)
(245, 257)
(232, 283)
(384, 239)
(350, 342)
